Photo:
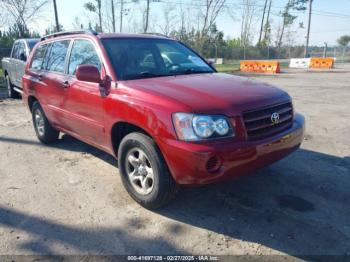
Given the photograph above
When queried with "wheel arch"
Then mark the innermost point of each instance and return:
(122, 128)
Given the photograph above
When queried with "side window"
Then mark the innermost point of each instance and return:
(57, 57)
(21, 53)
(15, 50)
(38, 58)
(83, 52)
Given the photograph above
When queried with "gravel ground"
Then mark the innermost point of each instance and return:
(68, 198)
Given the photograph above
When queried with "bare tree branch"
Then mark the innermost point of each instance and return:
(212, 9)
(22, 12)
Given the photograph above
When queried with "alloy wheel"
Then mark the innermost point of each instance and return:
(39, 122)
(139, 171)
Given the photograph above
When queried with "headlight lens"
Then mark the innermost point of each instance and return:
(203, 126)
(221, 126)
(192, 127)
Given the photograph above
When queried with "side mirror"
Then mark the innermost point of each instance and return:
(23, 57)
(88, 73)
(211, 62)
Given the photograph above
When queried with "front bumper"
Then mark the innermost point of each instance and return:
(188, 161)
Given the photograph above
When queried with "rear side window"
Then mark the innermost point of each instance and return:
(38, 58)
(57, 57)
(83, 52)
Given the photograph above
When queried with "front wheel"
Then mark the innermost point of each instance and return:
(144, 172)
(43, 129)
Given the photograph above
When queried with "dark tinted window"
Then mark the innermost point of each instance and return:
(57, 57)
(83, 52)
(38, 58)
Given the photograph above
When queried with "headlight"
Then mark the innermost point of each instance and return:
(192, 127)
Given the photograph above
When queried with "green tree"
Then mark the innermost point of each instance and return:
(344, 41)
(96, 9)
(288, 18)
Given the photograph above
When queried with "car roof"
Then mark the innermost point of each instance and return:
(73, 34)
(28, 40)
(127, 35)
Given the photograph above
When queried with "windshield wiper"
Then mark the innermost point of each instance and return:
(141, 75)
(192, 71)
(149, 74)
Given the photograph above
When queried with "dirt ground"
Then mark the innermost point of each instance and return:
(68, 198)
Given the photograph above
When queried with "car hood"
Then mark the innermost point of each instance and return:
(212, 93)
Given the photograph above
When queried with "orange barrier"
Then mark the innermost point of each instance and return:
(321, 62)
(257, 66)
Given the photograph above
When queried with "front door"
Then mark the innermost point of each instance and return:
(13, 61)
(20, 63)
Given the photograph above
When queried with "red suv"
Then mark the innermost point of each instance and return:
(157, 106)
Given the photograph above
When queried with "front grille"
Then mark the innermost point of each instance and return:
(258, 122)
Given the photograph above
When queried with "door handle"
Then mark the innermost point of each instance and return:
(40, 77)
(65, 84)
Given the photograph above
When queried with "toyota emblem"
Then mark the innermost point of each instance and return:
(275, 118)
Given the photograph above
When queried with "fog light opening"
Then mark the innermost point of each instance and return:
(213, 164)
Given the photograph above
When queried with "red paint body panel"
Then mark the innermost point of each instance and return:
(81, 111)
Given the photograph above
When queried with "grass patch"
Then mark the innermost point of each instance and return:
(227, 68)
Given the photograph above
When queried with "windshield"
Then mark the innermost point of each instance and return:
(31, 44)
(138, 58)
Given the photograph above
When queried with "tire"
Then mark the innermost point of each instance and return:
(43, 129)
(11, 93)
(163, 187)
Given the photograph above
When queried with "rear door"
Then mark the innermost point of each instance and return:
(53, 77)
(83, 103)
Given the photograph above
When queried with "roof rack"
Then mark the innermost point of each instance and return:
(90, 32)
(157, 34)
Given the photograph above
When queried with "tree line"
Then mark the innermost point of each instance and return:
(192, 22)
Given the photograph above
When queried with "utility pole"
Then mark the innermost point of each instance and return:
(262, 22)
(308, 29)
(113, 15)
(56, 16)
(147, 17)
(325, 50)
(121, 15)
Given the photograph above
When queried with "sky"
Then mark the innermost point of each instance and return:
(330, 19)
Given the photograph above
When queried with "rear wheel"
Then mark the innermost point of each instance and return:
(11, 93)
(144, 172)
(43, 129)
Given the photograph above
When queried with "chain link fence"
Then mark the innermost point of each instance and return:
(267, 53)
